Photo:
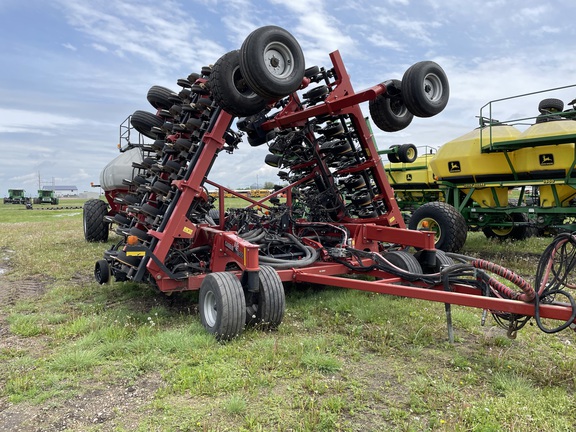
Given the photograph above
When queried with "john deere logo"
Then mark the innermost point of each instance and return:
(546, 159)
(408, 177)
(454, 166)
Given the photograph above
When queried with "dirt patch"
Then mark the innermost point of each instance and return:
(109, 408)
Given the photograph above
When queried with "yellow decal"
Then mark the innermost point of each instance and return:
(393, 218)
(136, 253)
(188, 230)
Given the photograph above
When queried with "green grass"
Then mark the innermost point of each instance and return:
(341, 361)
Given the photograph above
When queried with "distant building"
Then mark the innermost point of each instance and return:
(63, 191)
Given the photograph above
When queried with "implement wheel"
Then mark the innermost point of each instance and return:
(266, 307)
(272, 62)
(144, 121)
(222, 305)
(230, 88)
(449, 226)
(102, 272)
(95, 228)
(425, 89)
(388, 111)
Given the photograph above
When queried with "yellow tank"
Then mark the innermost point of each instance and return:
(417, 174)
(461, 161)
(548, 162)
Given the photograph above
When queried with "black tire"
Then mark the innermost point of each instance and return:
(515, 232)
(311, 72)
(222, 305)
(230, 89)
(448, 225)
(95, 228)
(552, 105)
(141, 234)
(266, 307)
(160, 97)
(143, 122)
(404, 260)
(388, 111)
(393, 157)
(102, 272)
(272, 62)
(407, 153)
(442, 260)
(120, 219)
(425, 89)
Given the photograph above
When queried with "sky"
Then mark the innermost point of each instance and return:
(74, 70)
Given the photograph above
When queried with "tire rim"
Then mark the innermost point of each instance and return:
(433, 87)
(429, 224)
(210, 309)
(411, 153)
(241, 85)
(397, 107)
(279, 60)
(501, 232)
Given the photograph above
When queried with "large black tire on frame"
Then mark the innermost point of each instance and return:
(222, 305)
(230, 90)
(272, 62)
(95, 228)
(266, 307)
(144, 121)
(388, 111)
(425, 89)
(449, 226)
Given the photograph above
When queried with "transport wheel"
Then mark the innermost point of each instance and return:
(144, 121)
(407, 153)
(442, 260)
(160, 97)
(230, 89)
(388, 111)
(95, 228)
(102, 272)
(514, 232)
(272, 62)
(404, 260)
(266, 307)
(222, 305)
(425, 89)
(448, 225)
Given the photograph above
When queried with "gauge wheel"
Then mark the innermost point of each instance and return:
(102, 272)
(160, 97)
(231, 90)
(388, 111)
(144, 121)
(425, 89)
(272, 62)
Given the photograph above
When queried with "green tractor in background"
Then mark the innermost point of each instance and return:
(46, 196)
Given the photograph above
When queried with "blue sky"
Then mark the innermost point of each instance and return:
(73, 70)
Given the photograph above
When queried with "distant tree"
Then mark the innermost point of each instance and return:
(268, 185)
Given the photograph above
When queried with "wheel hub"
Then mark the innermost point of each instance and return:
(279, 60)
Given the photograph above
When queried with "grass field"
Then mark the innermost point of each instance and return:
(78, 356)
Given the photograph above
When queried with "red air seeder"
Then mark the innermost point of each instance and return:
(334, 216)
